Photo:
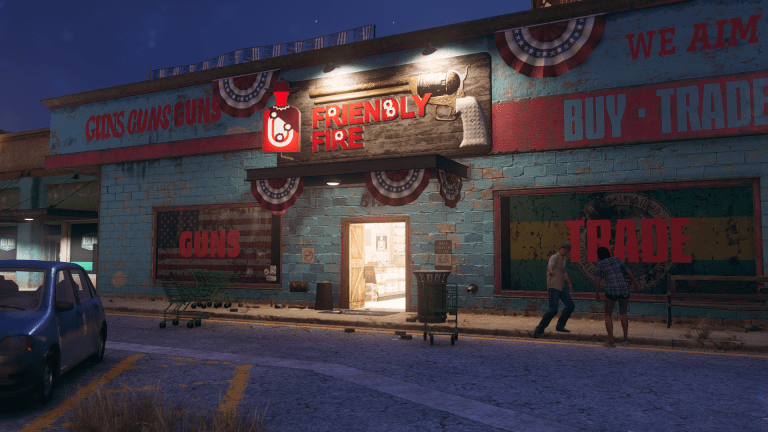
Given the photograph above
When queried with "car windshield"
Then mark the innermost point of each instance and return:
(21, 289)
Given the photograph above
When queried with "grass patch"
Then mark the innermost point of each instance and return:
(702, 329)
(147, 411)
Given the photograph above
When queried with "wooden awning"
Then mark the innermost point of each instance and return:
(353, 173)
(47, 214)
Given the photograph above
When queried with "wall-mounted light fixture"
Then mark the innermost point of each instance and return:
(333, 182)
(28, 219)
(472, 289)
(429, 49)
(329, 67)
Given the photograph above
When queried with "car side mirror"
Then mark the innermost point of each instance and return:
(64, 305)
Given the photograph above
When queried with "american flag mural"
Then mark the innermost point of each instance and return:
(231, 239)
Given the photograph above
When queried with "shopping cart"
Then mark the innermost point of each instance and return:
(441, 298)
(180, 296)
(212, 282)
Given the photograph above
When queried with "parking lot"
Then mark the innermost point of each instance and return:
(323, 379)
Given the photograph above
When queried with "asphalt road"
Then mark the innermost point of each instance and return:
(320, 379)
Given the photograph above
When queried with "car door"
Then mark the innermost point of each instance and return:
(90, 309)
(72, 329)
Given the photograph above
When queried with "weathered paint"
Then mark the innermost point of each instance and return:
(677, 110)
(657, 229)
(240, 239)
(131, 190)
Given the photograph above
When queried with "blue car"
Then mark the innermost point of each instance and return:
(51, 319)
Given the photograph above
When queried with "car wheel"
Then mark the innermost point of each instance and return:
(47, 383)
(99, 355)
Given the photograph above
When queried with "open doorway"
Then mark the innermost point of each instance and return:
(376, 270)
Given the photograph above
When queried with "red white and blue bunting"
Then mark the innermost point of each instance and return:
(396, 188)
(550, 50)
(244, 95)
(450, 187)
(276, 195)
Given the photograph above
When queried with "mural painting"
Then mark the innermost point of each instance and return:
(659, 229)
(240, 239)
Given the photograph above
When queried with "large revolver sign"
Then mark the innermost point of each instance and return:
(440, 106)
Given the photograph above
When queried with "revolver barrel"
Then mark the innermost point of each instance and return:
(437, 84)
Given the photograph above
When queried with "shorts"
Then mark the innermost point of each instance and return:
(617, 297)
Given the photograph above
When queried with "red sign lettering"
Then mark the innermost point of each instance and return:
(654, 233)
(197, 243)
(190, 112)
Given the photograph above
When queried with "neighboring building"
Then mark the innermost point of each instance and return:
(46, 214)
(640, 125)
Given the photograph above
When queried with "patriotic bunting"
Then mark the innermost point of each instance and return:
(244, 95)
(550, 50)
(398, 187)
(277, 195)
(450, 187)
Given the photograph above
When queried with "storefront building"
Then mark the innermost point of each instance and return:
(46, 214)
(478, 147)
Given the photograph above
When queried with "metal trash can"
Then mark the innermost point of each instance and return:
(429, 276)
(324, 296)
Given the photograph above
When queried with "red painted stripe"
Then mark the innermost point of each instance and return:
(246, 141)
(539, 124)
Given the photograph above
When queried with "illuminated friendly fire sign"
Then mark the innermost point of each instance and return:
(440, 106)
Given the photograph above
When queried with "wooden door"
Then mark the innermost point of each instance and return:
(356, 263)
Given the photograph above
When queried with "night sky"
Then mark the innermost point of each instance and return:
(50, 49)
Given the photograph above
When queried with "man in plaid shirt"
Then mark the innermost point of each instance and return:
(612, 270)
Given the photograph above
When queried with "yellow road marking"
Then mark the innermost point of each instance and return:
(44, 421)
(237, 386)
(463, 336)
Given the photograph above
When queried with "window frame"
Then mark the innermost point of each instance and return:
(276, 243)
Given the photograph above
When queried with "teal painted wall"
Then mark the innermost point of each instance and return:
(130, 190)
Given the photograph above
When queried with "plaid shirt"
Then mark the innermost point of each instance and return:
(613, 271)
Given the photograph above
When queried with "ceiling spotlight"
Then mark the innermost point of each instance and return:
(329, 67)
(429, 49)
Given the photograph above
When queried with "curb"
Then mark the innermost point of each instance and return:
(707, 344)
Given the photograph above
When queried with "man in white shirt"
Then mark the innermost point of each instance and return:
(557, 277)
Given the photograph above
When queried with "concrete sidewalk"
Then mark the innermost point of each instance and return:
(654, 334)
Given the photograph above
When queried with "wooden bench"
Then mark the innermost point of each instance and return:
(738, 302)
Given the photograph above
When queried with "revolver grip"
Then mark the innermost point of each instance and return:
(473, 121)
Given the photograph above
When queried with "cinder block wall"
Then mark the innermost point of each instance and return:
(130, 190)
